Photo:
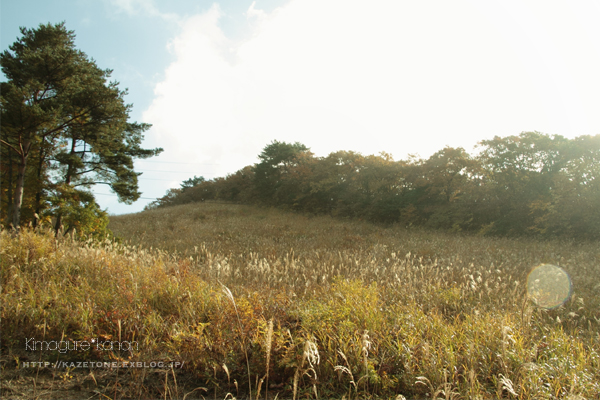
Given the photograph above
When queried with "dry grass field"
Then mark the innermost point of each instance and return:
(262, 303)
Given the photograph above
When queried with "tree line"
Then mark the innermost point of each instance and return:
(64, 129)
(527, 184)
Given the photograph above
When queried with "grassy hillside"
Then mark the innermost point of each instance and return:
(252, 299)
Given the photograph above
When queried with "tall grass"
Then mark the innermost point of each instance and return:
(317, 307)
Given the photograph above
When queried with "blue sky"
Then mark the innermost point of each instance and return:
(220, 80)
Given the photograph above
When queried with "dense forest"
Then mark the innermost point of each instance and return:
(530, 184)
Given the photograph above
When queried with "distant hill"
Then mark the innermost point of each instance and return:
(530, 185)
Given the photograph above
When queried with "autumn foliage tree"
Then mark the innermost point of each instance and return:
(527, 184)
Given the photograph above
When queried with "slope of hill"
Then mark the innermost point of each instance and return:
(256, 299)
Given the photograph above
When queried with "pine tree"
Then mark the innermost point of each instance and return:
(60, 110)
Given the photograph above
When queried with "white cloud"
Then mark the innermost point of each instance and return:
(143, 7)
(400, 77)
(255, 14)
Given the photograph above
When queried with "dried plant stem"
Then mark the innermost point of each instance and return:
(366, 345)
(268, 350)
(230, 296)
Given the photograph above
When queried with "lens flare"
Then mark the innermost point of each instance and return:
(548, 286)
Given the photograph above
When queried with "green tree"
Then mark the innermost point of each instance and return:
(59, 107)
(189, 183)
(572, 206)
(517, 170)
(535, 183)
(445, 180)
(80, 212)
(276, 161)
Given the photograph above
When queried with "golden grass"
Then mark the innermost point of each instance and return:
(317, 306)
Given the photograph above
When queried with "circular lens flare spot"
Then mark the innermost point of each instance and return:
(548, 286)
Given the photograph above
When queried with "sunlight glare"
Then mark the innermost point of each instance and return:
(548, 286)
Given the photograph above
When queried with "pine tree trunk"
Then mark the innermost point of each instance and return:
(20, 184)
(9, 190)
(70, 172)
(38, 194)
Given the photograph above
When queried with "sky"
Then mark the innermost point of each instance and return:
(220, 80)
